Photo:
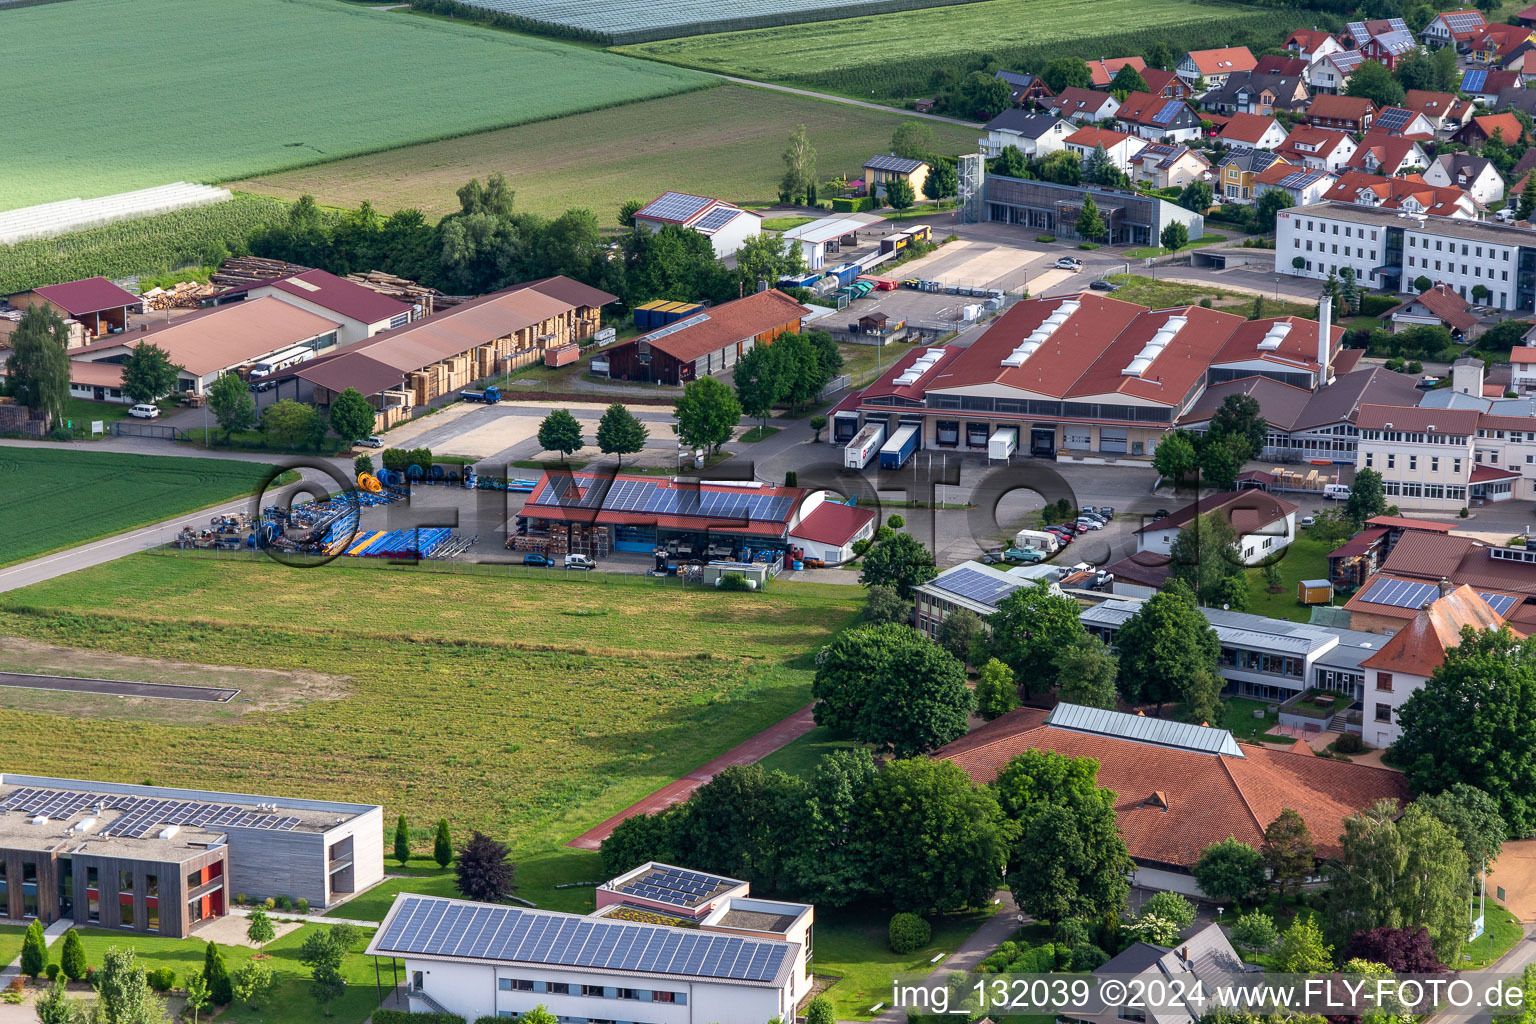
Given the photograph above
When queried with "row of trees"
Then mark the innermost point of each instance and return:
(792, 370)
(619, 432)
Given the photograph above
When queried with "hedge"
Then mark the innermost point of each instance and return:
(855, 204)
(402, 1017)
(1375, 305)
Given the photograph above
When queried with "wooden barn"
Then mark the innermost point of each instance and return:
(705, 343)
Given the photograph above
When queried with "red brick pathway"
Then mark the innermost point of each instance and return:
(754, 749)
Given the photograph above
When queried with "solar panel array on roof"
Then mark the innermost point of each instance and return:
(1394, 119)
(1169, 112)
(977, 586)
(678, 325)
(1160, 731)
(1348, 60)
(1413, 594)
(1463, 21)
(678, 887)
(431, 926)
(717, 218)
(678, 206)
(142, 814)
(898, 164)
(650, 496)
(1300, 179)
(1500, 603)
(1474, 80)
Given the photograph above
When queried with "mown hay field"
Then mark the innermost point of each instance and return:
(529, 709)
(52, 497)
(165, 90)
(900, 55)
(724, 142)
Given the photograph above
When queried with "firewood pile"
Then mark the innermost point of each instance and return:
(247, 270)
(405, 290)
(186, 295)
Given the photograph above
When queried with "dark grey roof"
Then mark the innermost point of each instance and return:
(895, 164)
(1017, 79)
(1281, 404)
(1252, 160)
(1516, 99)
(1340, 401)
(1023, 122)
(1134, 959)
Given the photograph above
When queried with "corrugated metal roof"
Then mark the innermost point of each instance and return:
(1158, 731)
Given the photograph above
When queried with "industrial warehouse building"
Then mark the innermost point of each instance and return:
(98, 304)
(359, 312)
(154, 859)
(665, 946)
(705, 343)
(1130, 218)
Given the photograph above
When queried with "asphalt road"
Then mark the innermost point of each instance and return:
(118, 687)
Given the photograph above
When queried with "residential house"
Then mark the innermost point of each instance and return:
(1166, 84)
(1527, 17)
(1387, 155)
(1237, 170)
(1034, 135)
(1198, 964)
(1409, 194)
(1168, 166)
(1277, 64)
(1522, 364)
(1119, 147)
(1403, 121)
(1265, 525)
(1025, 89)
(1213, 66)
(1358, 33)
(1330, 73)
(1454, 28)
(725, 225)
(1388, 48)
(1480, 129)
(1311, 43)
(1523, 64)
(880, 172)
(1252, 130)
(1102, 72)
(1083, 105)
(1485, 86)
(1516, 98)
(1317, 148)
(1156, 119)
(1439, 306)
(1258, 92)
(1341, 113)
(1443, 110)
(1494, 44)
(1474, 175)
(1303, 185)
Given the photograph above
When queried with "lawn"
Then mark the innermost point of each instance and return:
(1193, 243)
(800, 756)
(896, 55)
(52, 498)
(725, 142)
(1306, 558)
(758, 433)
(784, 223)
(1159, 294)
(1501, 932)
(10, 941)
(853, 944)
(219, 100)
(507, 706)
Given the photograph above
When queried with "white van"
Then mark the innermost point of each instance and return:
(1038, 540)
(1335, 492)
(579, 562)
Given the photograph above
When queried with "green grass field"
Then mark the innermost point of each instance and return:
(1305, 559)
(895, 55)
(503, 705)
(853, 944)
(239, 89)
(53, 498)
(724, 142)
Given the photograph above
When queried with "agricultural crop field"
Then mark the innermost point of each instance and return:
(725, 142)
(146, 245)
(896, 56)
(180, 89)
(53, 498)
(530, 709)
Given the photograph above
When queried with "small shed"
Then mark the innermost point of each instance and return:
(1314, 592)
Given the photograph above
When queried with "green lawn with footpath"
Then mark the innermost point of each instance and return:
(51, 498)
(853, 944)
(1306, 558)
(216, 99)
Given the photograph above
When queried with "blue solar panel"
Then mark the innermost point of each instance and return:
(1473, 80)
(1394, 119)
(1169, 112)
(978, 586)
(675, 206)
(1500, 603)
(1399, 593)
(716, 219)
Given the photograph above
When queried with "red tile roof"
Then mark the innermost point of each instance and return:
(1298, 347)
(91, 295)
(1249, 128)
(936, 375)
(1522, 354)
(729, 323)
(1308, 38)
(1445, 304)
(1399, 417)
(1360, 543)
(1102, 72)
(1389, 152)
(1337, 107)
(1247, 511)
(1323, 142)
(1403, 523)
(1090, 137)
(1157, 80)
(1075, 100)
(1223, 61)
(1209, 796)
(1419, 648)
(96, 375)
(1507, 125)
(1393, 193)
(832, 523)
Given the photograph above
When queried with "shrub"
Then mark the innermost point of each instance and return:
(162, 979)
(282, 902)
(301, 905)
(402, 1017)
(1349, 743)
(1375, 305)
(72, 958)
(791, 478)
(861, 546)
(853, 204)
(1171, 906)
(1086, 957)
(1045, 238)
(734, 581)
(51, 972)
(1088, 246)
(239, 899)
(909, 933)
(269, 903)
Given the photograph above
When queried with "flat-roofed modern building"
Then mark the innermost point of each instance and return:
(156, 859)
(665, 946)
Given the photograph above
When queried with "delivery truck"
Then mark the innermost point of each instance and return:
(490, 395)
(863, 446)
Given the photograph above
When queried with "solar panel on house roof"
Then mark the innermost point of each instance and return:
(432, 926)
(674, 206)
(977, 586)
(673, 328)
(1169, 112)
(717, 218)
(1474, 80)
(1348, 60)
(678, 887)
(1500, 603)
(1399, 593)
(1394, 119)
(1463, 21)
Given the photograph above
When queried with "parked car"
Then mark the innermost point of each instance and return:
(1089, 524)
(1428, 383)
(1309, 520)
(579, 562)
(1104, 286)
(372, 441)
(1073, 528)
(1101, 580)
(1161, 513)
(1094, 516)
(1027, 555)
(989, 558)
(534, 558)
(144, 411)
(1107, 511)
(1071, 263)
(1058, 532)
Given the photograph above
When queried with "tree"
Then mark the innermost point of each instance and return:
(819, 1011)
(402, 841)
(760, 382)
(961, 632)
(1240, 416)
(1127, 80)
(326, 985)
(913, 140)
(803, 368)
(259, 928)
(1255, 931)
(1172, 907)
(34, 950)
(1422, 284)
(1201, 702)
(1174, 457)
(1302, 949)
(1266, 210)
(1367, 497)
(620, 433)
(442, 844)
(889, 686)
(1085, 673)
(38, 368)
(827, 861)
(231, 402)
(1090, 225)
(1010, 163)
(1288, 851)
(901, 562)
(323, 952)
(252, 982)
(123, 994)
(628, 209)
(767, 257)
(996, 692)
(1157, 931)
(1527, 204)
(1375, 84)
(1405, 950)
(288, 423)
(149, 374)
(1160, 56)
(1197, 196)
(935, 842)
(1204, 555)
(1175, 235)
(197, 994)
(706, 414)
(1407, 872)
(484, 872)
(1163, 645)
(1028, 629)
(1064, 73)
(799, 164)
(817, 423)
(943, 180)
(72, 960)
(1221, 459)
(1068, 859)
(216, 974)
(55, 1007)
(1473, 817)
(351, 415)
(1230, 871)
(982, 96)
(1257, 312)
(1062, 167)
(899, 194)
(559, 432)
(884, 603)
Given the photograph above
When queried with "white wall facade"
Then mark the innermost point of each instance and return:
(731, 237)
(1253, 547)
(1419, 469)
(349, 331)
(1326, 245)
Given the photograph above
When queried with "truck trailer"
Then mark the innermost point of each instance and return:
(900, 447)
(863, 447)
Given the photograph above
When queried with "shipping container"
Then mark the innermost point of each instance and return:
(803, 281)
(894, 243)
(920, 233)
(895, 452)
(863, 447)
(1003, 443)
(564, 355)
(645, 315)
(845, 273)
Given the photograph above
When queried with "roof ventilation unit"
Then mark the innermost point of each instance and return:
(1154, 346)
(1276, 335)
(39, 819)
(169, 831)
(83, 824)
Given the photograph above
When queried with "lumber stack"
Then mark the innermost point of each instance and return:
(247, 270)
(403, 289)
(185, 295)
